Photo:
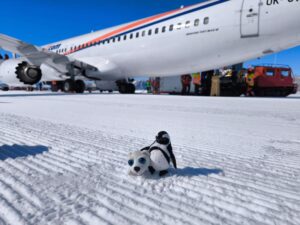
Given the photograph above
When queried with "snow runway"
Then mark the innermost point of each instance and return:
(63, 160)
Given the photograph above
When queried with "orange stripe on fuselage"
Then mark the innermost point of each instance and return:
(128, 27)
(133, 25)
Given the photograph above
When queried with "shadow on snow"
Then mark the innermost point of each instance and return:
(20, 151)
(193, 172)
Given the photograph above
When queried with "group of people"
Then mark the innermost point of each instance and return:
(153, 84)
(203, 81)
(186, 82)
(5, 57)
(244, 75)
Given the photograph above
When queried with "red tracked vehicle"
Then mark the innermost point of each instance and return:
(274, 81)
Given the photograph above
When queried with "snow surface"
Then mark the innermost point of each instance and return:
(63, 159)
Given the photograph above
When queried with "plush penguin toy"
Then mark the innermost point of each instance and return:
(156, 157)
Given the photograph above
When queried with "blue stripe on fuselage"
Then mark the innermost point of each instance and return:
(160, 21)
(172, 17)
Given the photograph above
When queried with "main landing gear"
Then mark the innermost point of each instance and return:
(126, 88)
(77, 86)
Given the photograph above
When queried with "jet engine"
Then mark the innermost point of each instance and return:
(28, 74)
(17, 70)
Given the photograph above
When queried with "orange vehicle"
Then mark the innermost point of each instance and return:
(274, 81)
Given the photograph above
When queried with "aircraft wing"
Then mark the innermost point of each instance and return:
(38, 56)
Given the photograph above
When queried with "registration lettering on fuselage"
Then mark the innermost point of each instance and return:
(277, 2)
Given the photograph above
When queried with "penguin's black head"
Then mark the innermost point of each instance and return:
(163, 138)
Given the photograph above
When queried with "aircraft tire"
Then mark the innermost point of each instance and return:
(130, 88)
(69, 86)
(123, 88)
(127, 88)
(79, 86)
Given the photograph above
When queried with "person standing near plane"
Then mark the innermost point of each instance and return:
(197, 82)
(186, 84)
(156, 85)
(148, 86)
(6, 57)
(250, 80)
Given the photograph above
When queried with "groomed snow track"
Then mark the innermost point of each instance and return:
(52, 173)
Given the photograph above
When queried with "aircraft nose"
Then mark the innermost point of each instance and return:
(137, 169)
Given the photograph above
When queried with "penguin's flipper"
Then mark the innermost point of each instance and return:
(170, 149)
(151, 170)
(145, 149)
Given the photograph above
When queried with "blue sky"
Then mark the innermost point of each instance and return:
(45, 21)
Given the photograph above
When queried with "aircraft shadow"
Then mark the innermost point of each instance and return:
(194, 172)
(40, 94)
(20, 151)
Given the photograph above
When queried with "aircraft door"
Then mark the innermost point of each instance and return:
(250, 16)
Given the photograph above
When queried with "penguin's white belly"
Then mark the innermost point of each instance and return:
(158, 161)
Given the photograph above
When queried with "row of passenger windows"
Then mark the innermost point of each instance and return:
(143, 33)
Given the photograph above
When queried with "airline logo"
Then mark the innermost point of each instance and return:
(54, 47)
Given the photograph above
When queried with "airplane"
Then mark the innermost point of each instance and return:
(200, 37)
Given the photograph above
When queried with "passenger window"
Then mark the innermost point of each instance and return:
(125, 37)
(171, 27)
(206, 21)
(156, 30)
(285, 73)
(179, 26)
(137, 35)
(108, 41)
(197, 22)
(143, 33)
(131, 36)
(119, 38)
(188, 24)
(114, 40)
(270, 73)
(163, 30)
(149, 32)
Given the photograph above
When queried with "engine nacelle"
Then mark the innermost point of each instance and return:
(14, 71)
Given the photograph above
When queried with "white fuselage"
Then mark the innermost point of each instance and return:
(228, 32)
